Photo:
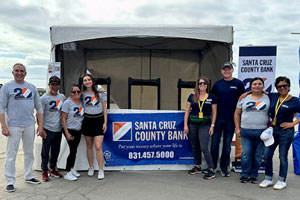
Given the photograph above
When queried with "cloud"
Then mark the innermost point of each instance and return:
(34, 60)
(24, 24)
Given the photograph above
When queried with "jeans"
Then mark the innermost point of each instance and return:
(51, 142)
(199, 138)
(253, 150)
(73, 144)
(13, 141)
(227, 129)
(282, 138)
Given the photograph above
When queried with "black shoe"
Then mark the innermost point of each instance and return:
(195, 170)
(244, 179)
(210, 175)
(33, 181)
(225, 173)
(254, 180)
(10, 188)
(205, 171)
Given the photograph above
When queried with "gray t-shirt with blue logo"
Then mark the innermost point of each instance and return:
(52, 111)
(19, 102)
(254, 112)
(75, 114)
(90, 103)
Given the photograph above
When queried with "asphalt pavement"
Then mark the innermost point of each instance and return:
(146, 185)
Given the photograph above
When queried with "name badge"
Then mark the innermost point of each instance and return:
(200, 115)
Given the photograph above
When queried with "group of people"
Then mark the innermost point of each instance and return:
(262, 120)
(210, 114)
(84, 112)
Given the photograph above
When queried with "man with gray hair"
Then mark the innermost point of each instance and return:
(18, 99)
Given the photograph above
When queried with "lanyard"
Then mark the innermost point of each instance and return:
(278, 106)
(201, 106)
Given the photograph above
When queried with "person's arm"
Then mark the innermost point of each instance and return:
(244, 95)
(43, 103)
(5, 130)
(237, 121)
(3, 106)
(39, 114)
(286, 125)
(186, 117)
(64, 125)
(40, 130)
(213, 120)
(104, 128)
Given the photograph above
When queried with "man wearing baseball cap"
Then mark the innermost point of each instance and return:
(227, 90)
(51, 102)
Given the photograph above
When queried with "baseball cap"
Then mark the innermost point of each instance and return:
(54, 79)
(228, 64)
(267, 136)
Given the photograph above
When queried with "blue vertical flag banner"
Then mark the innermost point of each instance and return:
(296, 142)
(146, 139)
(257, 61)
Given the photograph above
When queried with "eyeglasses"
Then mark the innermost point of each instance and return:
(77, 91)
(282, 86)
(202, 83)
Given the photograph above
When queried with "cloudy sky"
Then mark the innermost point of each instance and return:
(24, 26)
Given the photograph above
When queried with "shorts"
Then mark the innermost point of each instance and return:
(92, 124)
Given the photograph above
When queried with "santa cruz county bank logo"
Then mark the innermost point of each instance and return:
(122, 131)
(22, 93)
(107, 155)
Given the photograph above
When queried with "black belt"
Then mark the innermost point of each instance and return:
(93, 116)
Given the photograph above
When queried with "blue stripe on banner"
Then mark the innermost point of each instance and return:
(257, 51)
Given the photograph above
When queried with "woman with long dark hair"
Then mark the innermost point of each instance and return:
(199, 119)
(94, 123)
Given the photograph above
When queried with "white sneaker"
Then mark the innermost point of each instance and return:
(74, 172)
(69, 176)
(91, 171)
(265, 183)
(280, 185)
(100, 174)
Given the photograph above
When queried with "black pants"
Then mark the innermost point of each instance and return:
(52, 142)
(73, 144)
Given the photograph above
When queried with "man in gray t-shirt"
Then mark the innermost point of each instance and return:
(52, 102)
(18, 99)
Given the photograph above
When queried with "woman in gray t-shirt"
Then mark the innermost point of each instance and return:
(94, 123)
(251, 119)
(71, 117)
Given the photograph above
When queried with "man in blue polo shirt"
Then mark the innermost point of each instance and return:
(227, 90)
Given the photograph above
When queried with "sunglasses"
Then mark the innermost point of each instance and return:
(54, 84)
(282, 86)
(77, 91)
(202, 83)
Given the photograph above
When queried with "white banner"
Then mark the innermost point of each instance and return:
(54, 69)
(257, 62)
